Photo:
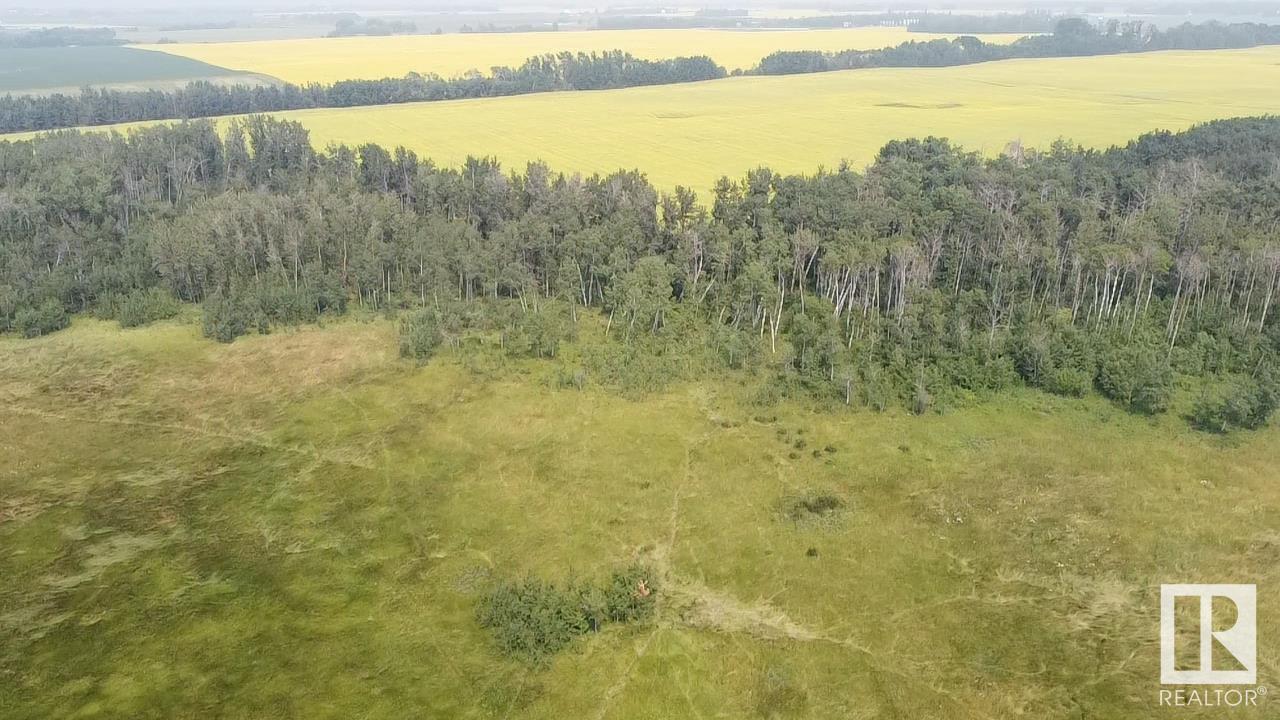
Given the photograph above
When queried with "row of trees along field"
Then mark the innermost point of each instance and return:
(933, 276)
(915, 20)
(594, 71)
(1071, 37)
(57, 37)
(952, 23)
(544, 73)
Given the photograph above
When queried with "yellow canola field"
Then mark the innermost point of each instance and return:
(691, 134)
(328, 60)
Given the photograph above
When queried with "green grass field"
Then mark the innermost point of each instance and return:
(46, 70)
(300, 524)
(694, 133)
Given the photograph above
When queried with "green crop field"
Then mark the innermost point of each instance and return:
(301, 524)
(693, 133)
(42, 70)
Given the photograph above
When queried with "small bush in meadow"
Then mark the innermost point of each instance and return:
(142, 307)
(533, 620)
(45, 318)
(420, 335)
(1247, 404)
(1136, 376)
(1067, 381)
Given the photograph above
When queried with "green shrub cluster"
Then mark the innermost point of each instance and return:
(420, 334)
(1056, 356)
(1137, 376)
(925, 361)
(1246, 403)
(229, 315)
(34, 321)
(533, 620)
(536, 332)
(141, 306)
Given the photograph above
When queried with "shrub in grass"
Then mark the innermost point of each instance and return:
(629, 595)
(8, 306)
(142, 307)
(225, 319)
(1246, 404)
(811, 508)
(920, 400)
(538, 332)
(1136, 376)
(420, 335)
(532, 620)
(47, 317)
(1068, 381)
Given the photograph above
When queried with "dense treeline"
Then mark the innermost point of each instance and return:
(739, 19)
(1030, 22)
(57, 37)
(563, 71)
(1193, 7)
(353, 26)
(656, 21)
(933, 275)
(1070, 37)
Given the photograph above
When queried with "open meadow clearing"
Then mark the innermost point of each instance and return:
(510, 407)
(301, 524)
(332, 59)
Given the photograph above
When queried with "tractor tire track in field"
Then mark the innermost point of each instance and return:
(689, 604)
(681, 603)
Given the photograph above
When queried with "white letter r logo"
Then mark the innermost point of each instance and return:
(1241, 639)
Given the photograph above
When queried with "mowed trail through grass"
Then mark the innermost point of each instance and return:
(300, 525)
(370, 58)
(692, 134)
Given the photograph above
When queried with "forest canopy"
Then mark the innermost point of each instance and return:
(933, 274)
(1071, 37)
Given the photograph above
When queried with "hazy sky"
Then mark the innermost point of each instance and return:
(92, 9)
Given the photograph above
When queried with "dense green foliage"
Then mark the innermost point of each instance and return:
(932, 277)
(57, 37)
(354, 25)
(1070, 37)
(1028, 22)
(1245, 402)
(741, 19)
(140, 306)
(533, 620)
(42, 319)
(563, 71)
(1136, 376)
(420, 334)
